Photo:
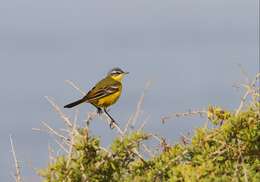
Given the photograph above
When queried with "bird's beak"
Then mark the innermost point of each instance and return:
(126, 73)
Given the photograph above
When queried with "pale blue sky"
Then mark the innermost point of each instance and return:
(189, 49)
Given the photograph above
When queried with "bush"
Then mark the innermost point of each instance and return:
(229, 151)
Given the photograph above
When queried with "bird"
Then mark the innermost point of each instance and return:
(105, 93)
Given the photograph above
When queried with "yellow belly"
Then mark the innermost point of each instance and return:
(109, 100)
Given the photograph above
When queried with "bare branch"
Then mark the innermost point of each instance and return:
(75, 86)
(149, 152)
(58, 110)
(50, 152)
(144, 123)
(61, 146)
(51, 130)
(119, 130)
(243, 71)
(17, 167)
(156, 137)
(133, 118)
(72, 133)
(185, 139)
(249, 90)
(138, 155)
(90, 117)
(183, 114)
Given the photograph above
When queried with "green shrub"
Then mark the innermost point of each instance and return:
(230, 151)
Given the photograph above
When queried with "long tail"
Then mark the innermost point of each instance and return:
(75, 103)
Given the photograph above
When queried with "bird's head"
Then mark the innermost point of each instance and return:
(117, 74)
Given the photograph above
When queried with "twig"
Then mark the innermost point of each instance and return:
(104, 149)
(75, 86)
(243, 71)
(133, 118)
(185, 139)
(140, 102)
(75, 117)
(17, 167)
(72, 141)
(243, 100)
(58, 110)
(51, 157)
(149, 152)
(156, 138)
(51, 130)
(247, 93)
(245, 173)
(138, 155)
(90, 117)
(119, 130)
(128, 123)
(61, 146)
(183, 114)
(138, 110)
(144, 123)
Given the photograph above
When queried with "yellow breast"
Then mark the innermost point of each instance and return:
(108, 100)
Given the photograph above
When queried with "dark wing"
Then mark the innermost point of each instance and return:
(107, 88)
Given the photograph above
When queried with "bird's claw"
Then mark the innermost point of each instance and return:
(99, 111)
(112, 124)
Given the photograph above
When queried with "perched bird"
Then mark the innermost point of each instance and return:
(105, 93)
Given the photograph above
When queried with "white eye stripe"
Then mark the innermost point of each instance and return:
(116, 72)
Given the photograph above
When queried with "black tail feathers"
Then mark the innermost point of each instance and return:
(74, 103)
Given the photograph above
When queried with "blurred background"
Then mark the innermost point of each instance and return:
(190, 50)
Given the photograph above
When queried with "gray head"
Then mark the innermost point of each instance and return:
(116, 71)
(117, 74)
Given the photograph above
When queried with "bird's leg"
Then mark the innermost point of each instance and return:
(112, 119)
(99, 110)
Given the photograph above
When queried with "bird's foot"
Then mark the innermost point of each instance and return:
(112, 124)
(99, 111)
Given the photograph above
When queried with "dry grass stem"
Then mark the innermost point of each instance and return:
(17, 175)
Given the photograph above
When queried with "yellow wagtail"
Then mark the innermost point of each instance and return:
(105, 93)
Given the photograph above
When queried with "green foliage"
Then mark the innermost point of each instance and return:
(88, 161)
(230, 151)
